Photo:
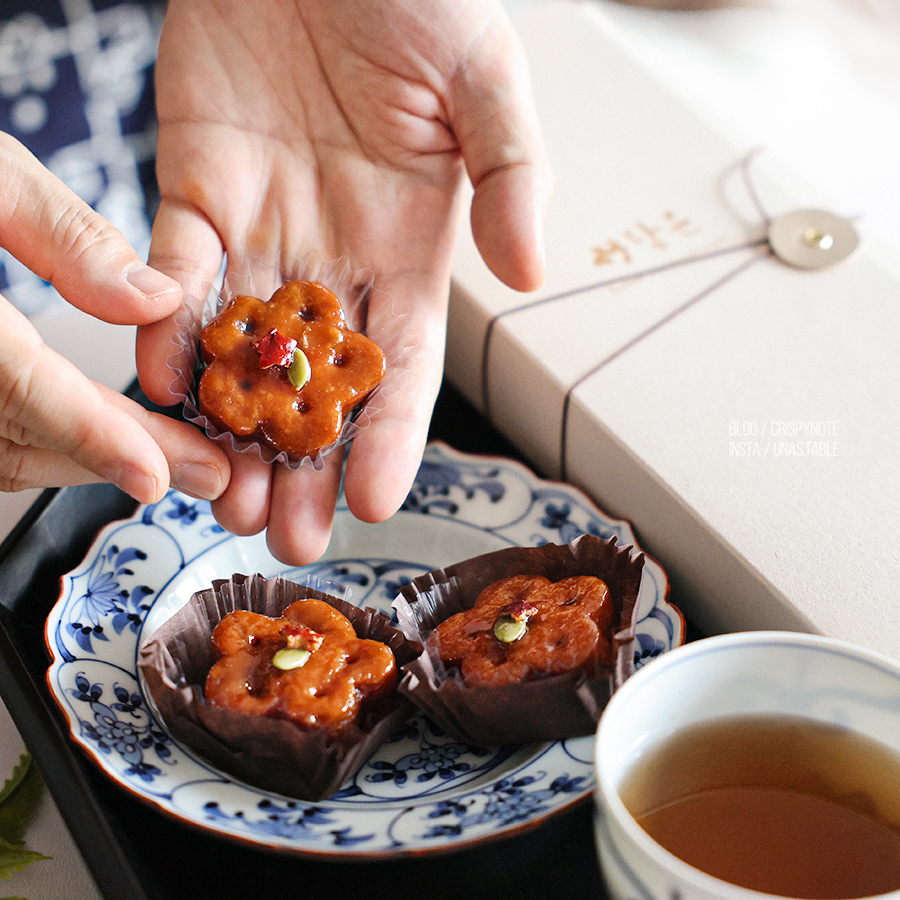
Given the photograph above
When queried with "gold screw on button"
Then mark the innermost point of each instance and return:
(812, 238)
(819, 239)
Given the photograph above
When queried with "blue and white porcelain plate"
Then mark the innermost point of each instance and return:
(421, 792)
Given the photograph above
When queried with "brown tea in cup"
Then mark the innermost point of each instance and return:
(779, 804)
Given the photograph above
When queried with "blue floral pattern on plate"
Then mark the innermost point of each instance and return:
(422, 791)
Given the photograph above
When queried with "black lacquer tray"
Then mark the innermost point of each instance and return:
(137, 853)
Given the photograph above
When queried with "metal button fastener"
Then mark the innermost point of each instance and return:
(812, 238)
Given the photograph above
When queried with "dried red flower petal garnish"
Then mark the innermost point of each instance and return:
(520, 610)
(275, 349)
(300, 637)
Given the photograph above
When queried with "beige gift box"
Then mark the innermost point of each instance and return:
(740, 411)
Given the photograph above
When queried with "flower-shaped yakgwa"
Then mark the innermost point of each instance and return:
(526, 627)
(323, 688)
(251, 398)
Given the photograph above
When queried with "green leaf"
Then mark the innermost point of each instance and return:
(18, 774)
(14, 859)
(18, 800)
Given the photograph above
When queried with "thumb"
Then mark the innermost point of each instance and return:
(187, 246)
(61, 239)
(496, 123)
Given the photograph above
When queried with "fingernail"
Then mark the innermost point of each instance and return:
(135, 482)
(151, 282)
(199, 480)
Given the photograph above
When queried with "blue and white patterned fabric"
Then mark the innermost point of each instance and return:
(76, 87)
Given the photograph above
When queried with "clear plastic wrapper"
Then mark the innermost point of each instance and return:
(356, 291)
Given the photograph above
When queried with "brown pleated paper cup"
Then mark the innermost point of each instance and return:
(544, 709)
(271, 754)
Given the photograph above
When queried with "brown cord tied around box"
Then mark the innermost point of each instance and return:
(805, 239)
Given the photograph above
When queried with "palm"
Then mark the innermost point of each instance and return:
(314, 133)
(343, 127)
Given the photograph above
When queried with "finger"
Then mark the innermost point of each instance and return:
(495, 120)
(386, 453)
(383, 463)
(302, 511)
(24, 467)
(243, 508)
(61, 239)
(186, 247)
(507, 223)
(48, 404)
(197, 466)
(295, 505)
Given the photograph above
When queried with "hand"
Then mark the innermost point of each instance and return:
(56, 426)
(344, 126)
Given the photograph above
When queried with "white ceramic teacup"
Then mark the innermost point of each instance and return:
(779, 673)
